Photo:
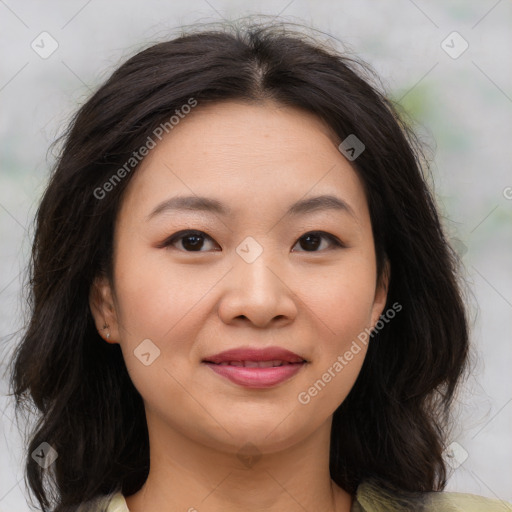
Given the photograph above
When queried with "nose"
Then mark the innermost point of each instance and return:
(258, 293)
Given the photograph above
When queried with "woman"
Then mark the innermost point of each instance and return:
(242, 295)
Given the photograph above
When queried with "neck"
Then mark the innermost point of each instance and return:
(187, 475)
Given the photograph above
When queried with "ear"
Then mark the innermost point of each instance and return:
(101, 302)
(381, 293)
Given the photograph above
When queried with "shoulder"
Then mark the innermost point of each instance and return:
(114, 502)
(117, 503)
(370, 497)
(455, 501)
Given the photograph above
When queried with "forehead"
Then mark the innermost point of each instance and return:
(246, 153)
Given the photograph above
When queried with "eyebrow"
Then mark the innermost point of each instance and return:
(207, 204)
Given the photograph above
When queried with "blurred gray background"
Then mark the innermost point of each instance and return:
(446, 62)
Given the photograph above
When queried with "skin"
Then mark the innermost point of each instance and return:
(257, 159)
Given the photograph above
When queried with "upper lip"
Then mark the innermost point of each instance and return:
(255, 354)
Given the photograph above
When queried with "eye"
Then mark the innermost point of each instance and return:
(194, 241)
(312, 240)
(191, 240)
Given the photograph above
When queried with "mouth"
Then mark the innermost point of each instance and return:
(256, 368)
(256, 364)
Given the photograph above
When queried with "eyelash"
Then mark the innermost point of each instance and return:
(336, 243)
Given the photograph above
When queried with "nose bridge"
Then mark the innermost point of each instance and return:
(257, 269)
(256, 288)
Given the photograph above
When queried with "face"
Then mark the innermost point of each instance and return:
(254, 273)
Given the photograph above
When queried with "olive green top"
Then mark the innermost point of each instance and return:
(369, 498)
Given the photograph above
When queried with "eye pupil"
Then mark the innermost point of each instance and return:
(313, 241)
(196, 243)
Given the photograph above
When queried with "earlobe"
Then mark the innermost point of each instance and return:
(102, 308)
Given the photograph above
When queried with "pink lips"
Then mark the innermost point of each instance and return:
(256, 368)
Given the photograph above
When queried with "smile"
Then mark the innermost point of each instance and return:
(256, 367)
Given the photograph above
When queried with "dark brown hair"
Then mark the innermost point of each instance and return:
(390, 428)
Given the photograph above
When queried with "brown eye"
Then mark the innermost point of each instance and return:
(310, 242)
(190, 241)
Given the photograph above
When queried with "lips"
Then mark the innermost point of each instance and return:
(247, 356)
(256, 368)
(256, 364)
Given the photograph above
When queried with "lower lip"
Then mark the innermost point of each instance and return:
(254, 377)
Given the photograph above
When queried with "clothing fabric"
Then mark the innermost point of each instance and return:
(369, 498)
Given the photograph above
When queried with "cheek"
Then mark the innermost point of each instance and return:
(153, 304)
(154, 297)
(342, 297)
(341, 301)
(156, 303)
